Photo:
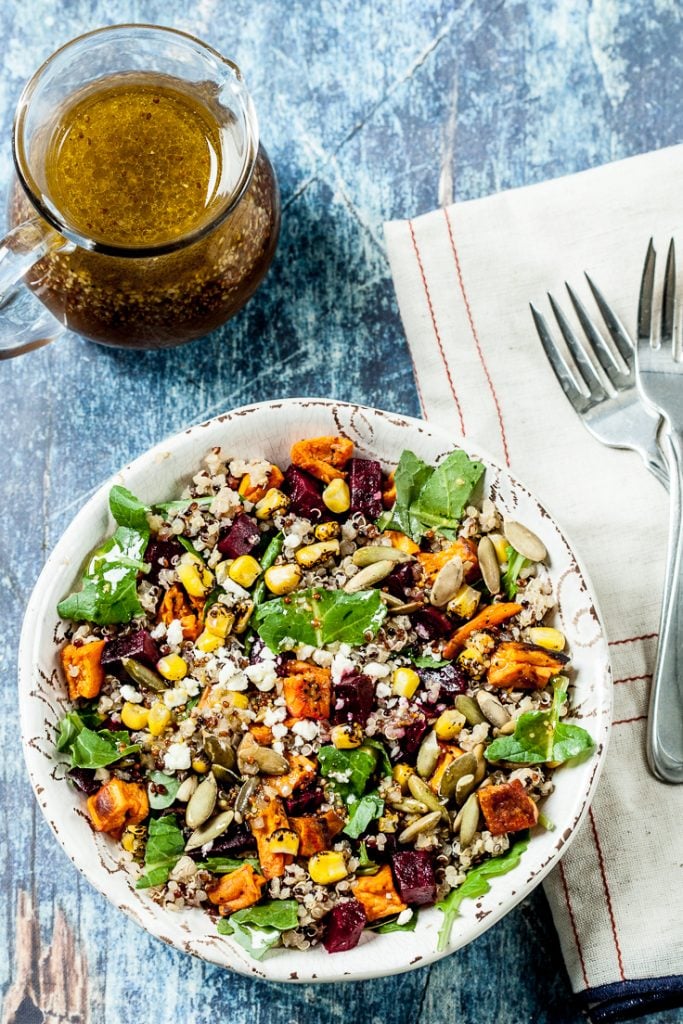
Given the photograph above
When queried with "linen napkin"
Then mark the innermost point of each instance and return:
(464, 277)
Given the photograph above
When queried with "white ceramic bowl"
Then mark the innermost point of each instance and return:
(268, 430)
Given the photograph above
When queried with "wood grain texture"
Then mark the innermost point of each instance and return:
(369, 111)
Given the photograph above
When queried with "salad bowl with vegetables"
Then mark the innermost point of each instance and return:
(313, 693)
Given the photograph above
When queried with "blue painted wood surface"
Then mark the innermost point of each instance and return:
(369, 111)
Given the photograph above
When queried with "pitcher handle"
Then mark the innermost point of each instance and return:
(21, 330)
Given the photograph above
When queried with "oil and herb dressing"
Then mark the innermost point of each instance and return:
(135, 163)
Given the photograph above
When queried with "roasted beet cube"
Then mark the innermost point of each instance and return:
(441, 685)
(344, 926)
(414, 874)
(430, 623)
(137, 645)
(401, 580)
(306, 801)
(352, 699)
(241, 538)
(84, 779)
(236, 840)
(414, 731)
(160, 554)
(305, 493)
(365, 484)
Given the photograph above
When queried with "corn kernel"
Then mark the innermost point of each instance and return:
(159, 718)
(448, 724)
(401, 773)
(314, 553)
(546, 636)
(271, 503)
(327, 531)
(327, 867)
(500, 546)
(388, 823)
(283, 840)
(245, 570)
(134, 716)
(465, 602)
(282, 579)
(405, 682)
(207, 642)
(219, 620)
(337, 496)
(194, 575)
(128, 841)
(200, 765)
(471, 656)
(346, 737)
(238, 700)
(172, 667)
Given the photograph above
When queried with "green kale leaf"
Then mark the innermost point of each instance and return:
(516, 563)
(348, 771)
(165, 845)
(258, 928)
(158, 801)
(91, 749)
(319, 617)
(128, 510)
(363, 812)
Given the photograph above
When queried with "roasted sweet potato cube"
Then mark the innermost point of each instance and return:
(307, 690)
(378, 894)
(322, 457)
(263, 734)
(301, 773)
(117, 804)
(254, 494)
(507, 808)
(492, 615)
(175, 605)
(83, 669)
(238, 889)
(269, 816)
(523, 666)
(316, 832)
(464, 548)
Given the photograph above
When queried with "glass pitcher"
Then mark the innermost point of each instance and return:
(118, 289)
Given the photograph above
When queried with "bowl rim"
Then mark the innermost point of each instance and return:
(265, 970)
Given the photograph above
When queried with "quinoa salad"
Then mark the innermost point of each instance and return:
(315, 699)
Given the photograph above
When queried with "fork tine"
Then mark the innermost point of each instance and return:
(645, 300)
(588, 371)
(617, 331)
(611, 362)
(669, 296)
(566, 371)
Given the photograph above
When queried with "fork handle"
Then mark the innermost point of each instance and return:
(665, 723)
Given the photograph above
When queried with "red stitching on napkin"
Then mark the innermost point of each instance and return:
(608, 897)
(632, 679)
(633, 639)
(626, 721)
(573, 923)
(470, 318)
(436, 328)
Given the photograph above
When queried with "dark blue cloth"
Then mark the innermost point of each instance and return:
(626, 1000)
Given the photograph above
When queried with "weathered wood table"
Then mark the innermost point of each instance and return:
(369, 111)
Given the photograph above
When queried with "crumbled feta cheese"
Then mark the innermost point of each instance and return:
(279, 730)
(383, 690)
(177, 757)
(232, 677)
(130, 694)
(176, 697)
(262, 675)
(341, 665)
(304, 652)
(174, 633)
(306, 728)
(404, 916)
(274, 715)
(322, 658)
(376, 671)
(192, 686)
(159, 631)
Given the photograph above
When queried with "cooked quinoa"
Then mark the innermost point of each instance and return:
(308, 701)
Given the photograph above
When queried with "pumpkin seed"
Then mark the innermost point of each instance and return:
(213, 828)
(369, 576)
(469, 822)
(144, 676)
(447, 582)
(466, 764)
(428, 755)
(223, 775)
(407, 608)
(374, 553)
(492, 709)
(488, 565)
(187, 788)
(463, 788)
(246, 762)
(246, 792)
(202, 802)
(470, 709)
(524, 541)
(270, 762)
(390, 600)
(508, 728)
(219, 753)
(409, 806)
(427, 823)
(421, 791)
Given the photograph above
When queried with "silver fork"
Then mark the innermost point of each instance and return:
(597, 374)
(660, 379)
